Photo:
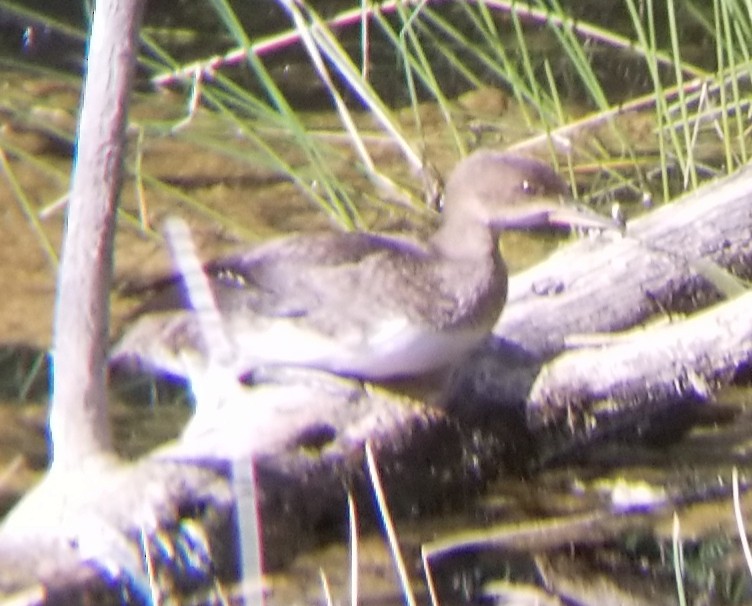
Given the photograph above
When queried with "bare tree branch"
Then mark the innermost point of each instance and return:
(79, 425)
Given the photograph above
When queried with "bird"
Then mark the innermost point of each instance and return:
(363, 305)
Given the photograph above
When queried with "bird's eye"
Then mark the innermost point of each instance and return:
(528, 187)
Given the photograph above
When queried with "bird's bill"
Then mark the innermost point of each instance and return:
(564, 213)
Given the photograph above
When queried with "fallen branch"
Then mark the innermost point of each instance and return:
(306, 433)
(622, 384)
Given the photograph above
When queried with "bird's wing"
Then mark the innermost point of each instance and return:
(283, 277)
(324, 292)
(307, 276)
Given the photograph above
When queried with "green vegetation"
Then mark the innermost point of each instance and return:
(351, 111)
(620, 101)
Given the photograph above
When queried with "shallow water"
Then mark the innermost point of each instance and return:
(255, 205)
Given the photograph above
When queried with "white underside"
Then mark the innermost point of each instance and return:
(395, 351)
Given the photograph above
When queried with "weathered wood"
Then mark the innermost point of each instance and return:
(613, 283)
(79, 424)
(307, 435)
(681, 361)
(307, 442)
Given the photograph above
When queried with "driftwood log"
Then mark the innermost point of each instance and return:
(82, 533)
(307, 443)
(555, 351)
(306, 434)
